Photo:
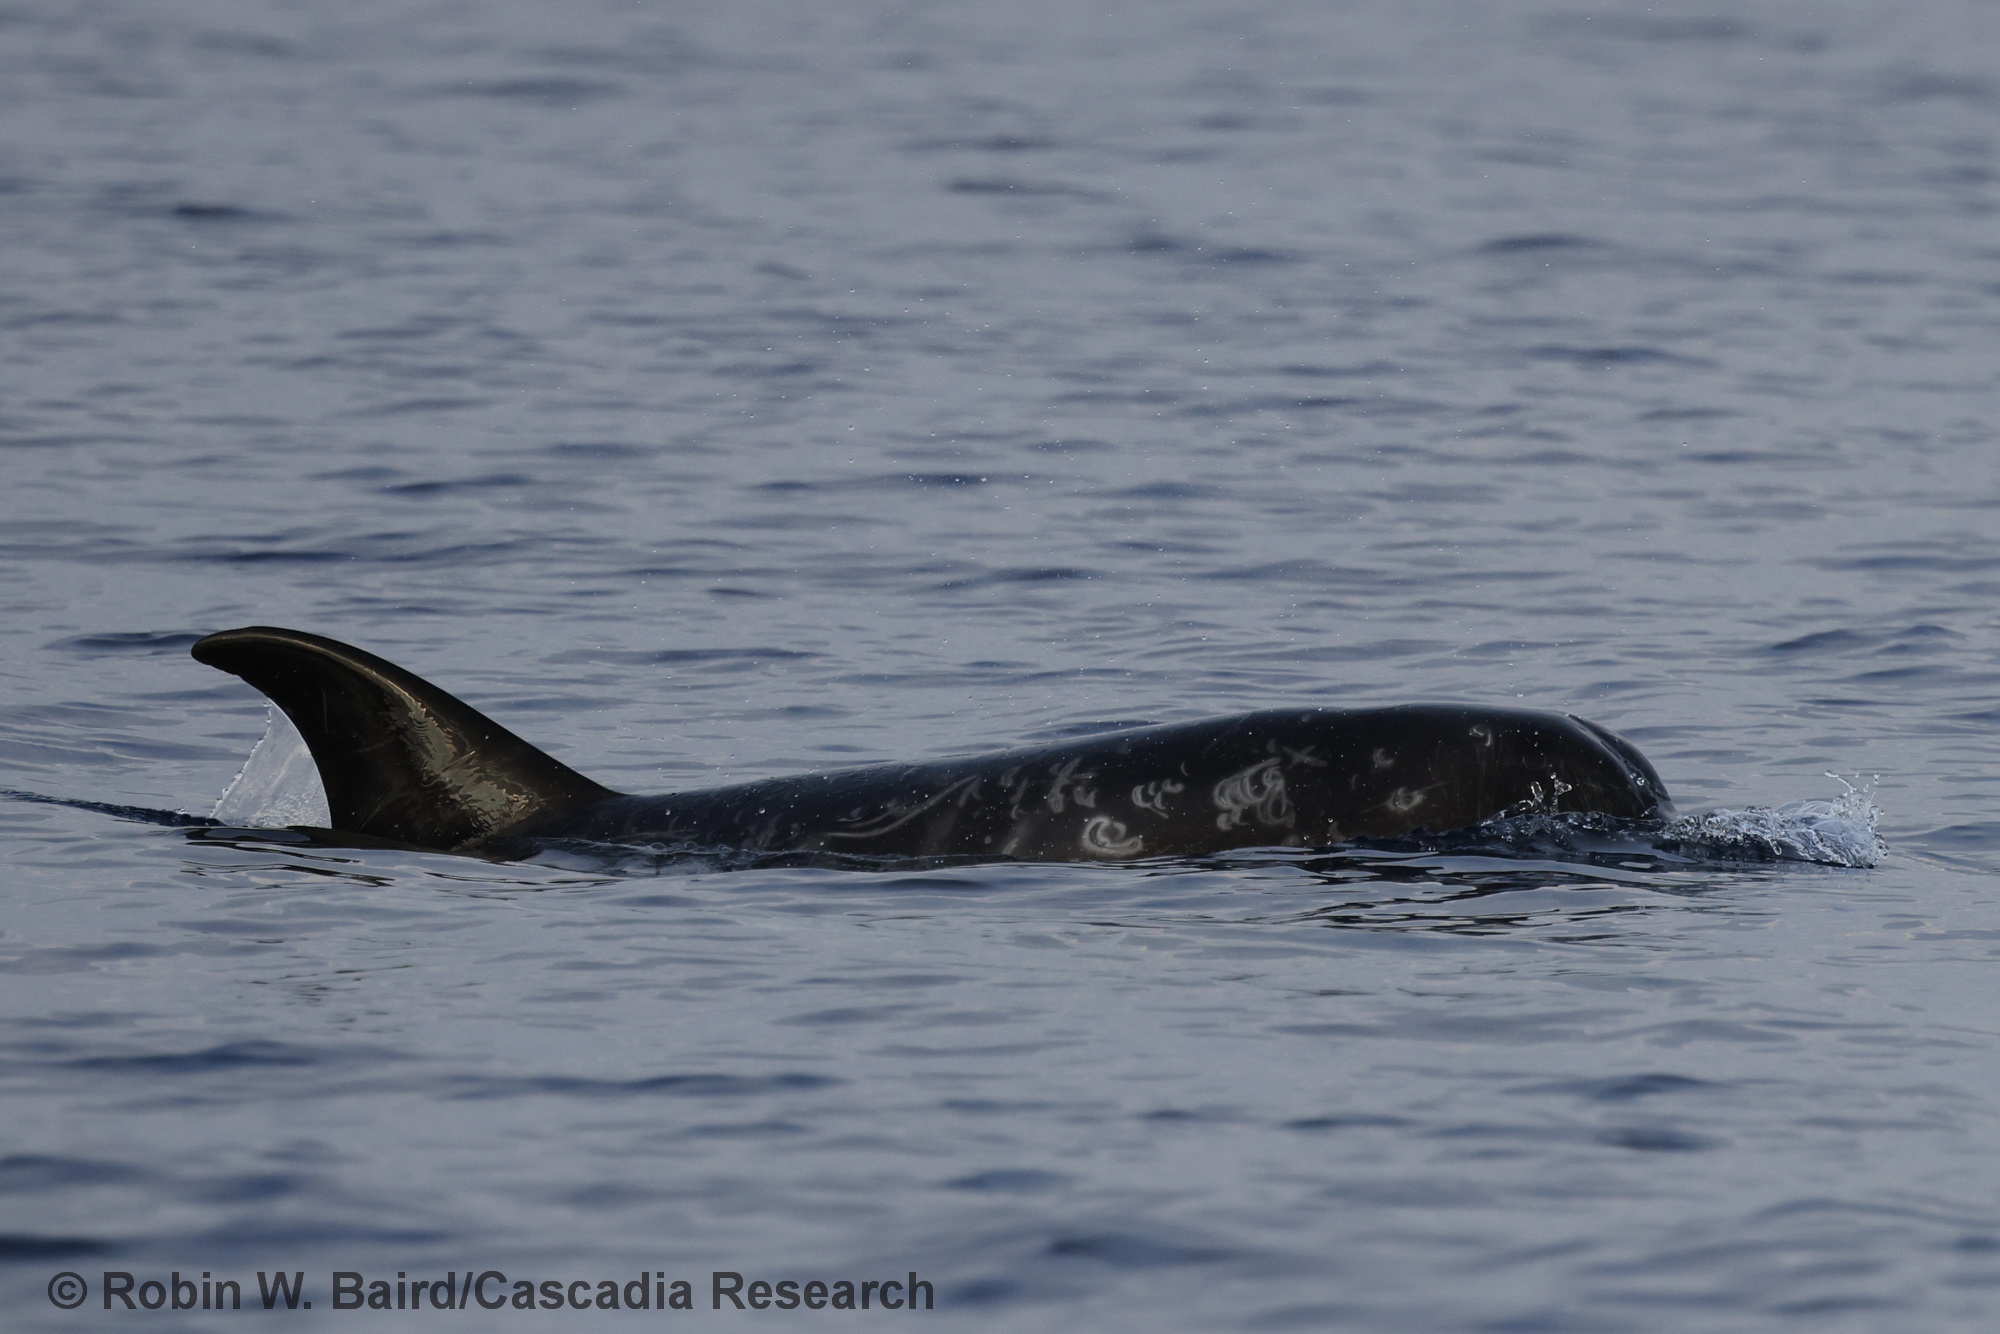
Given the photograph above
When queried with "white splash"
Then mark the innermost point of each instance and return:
(279, 785)
(1840, 832)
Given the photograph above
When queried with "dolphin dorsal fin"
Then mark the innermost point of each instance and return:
(400, 758)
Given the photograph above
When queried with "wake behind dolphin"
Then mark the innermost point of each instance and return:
(403, 761)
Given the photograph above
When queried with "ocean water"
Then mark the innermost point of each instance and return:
(711, 392)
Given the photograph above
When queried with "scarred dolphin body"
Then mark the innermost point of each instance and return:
(403, 761)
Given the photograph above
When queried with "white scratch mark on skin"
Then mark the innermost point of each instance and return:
(1105, 837)
(1153, 796)
(1539, 802)
(1060, 776)
(1383, 759)
(1259, 791)
(1403, 800)
(1482, 733)
(895, 817)
(1017, 791)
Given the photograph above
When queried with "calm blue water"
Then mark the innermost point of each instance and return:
(719, 391)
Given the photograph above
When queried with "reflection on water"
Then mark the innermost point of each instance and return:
(1481, 891)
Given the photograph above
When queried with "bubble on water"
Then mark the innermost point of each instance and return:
(279, 786)
(1840, 832)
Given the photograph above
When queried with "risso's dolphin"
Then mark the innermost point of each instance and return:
(403, 761)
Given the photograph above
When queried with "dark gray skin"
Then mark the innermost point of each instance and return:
(403, 761)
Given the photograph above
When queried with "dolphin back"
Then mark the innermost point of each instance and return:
(400, 759)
